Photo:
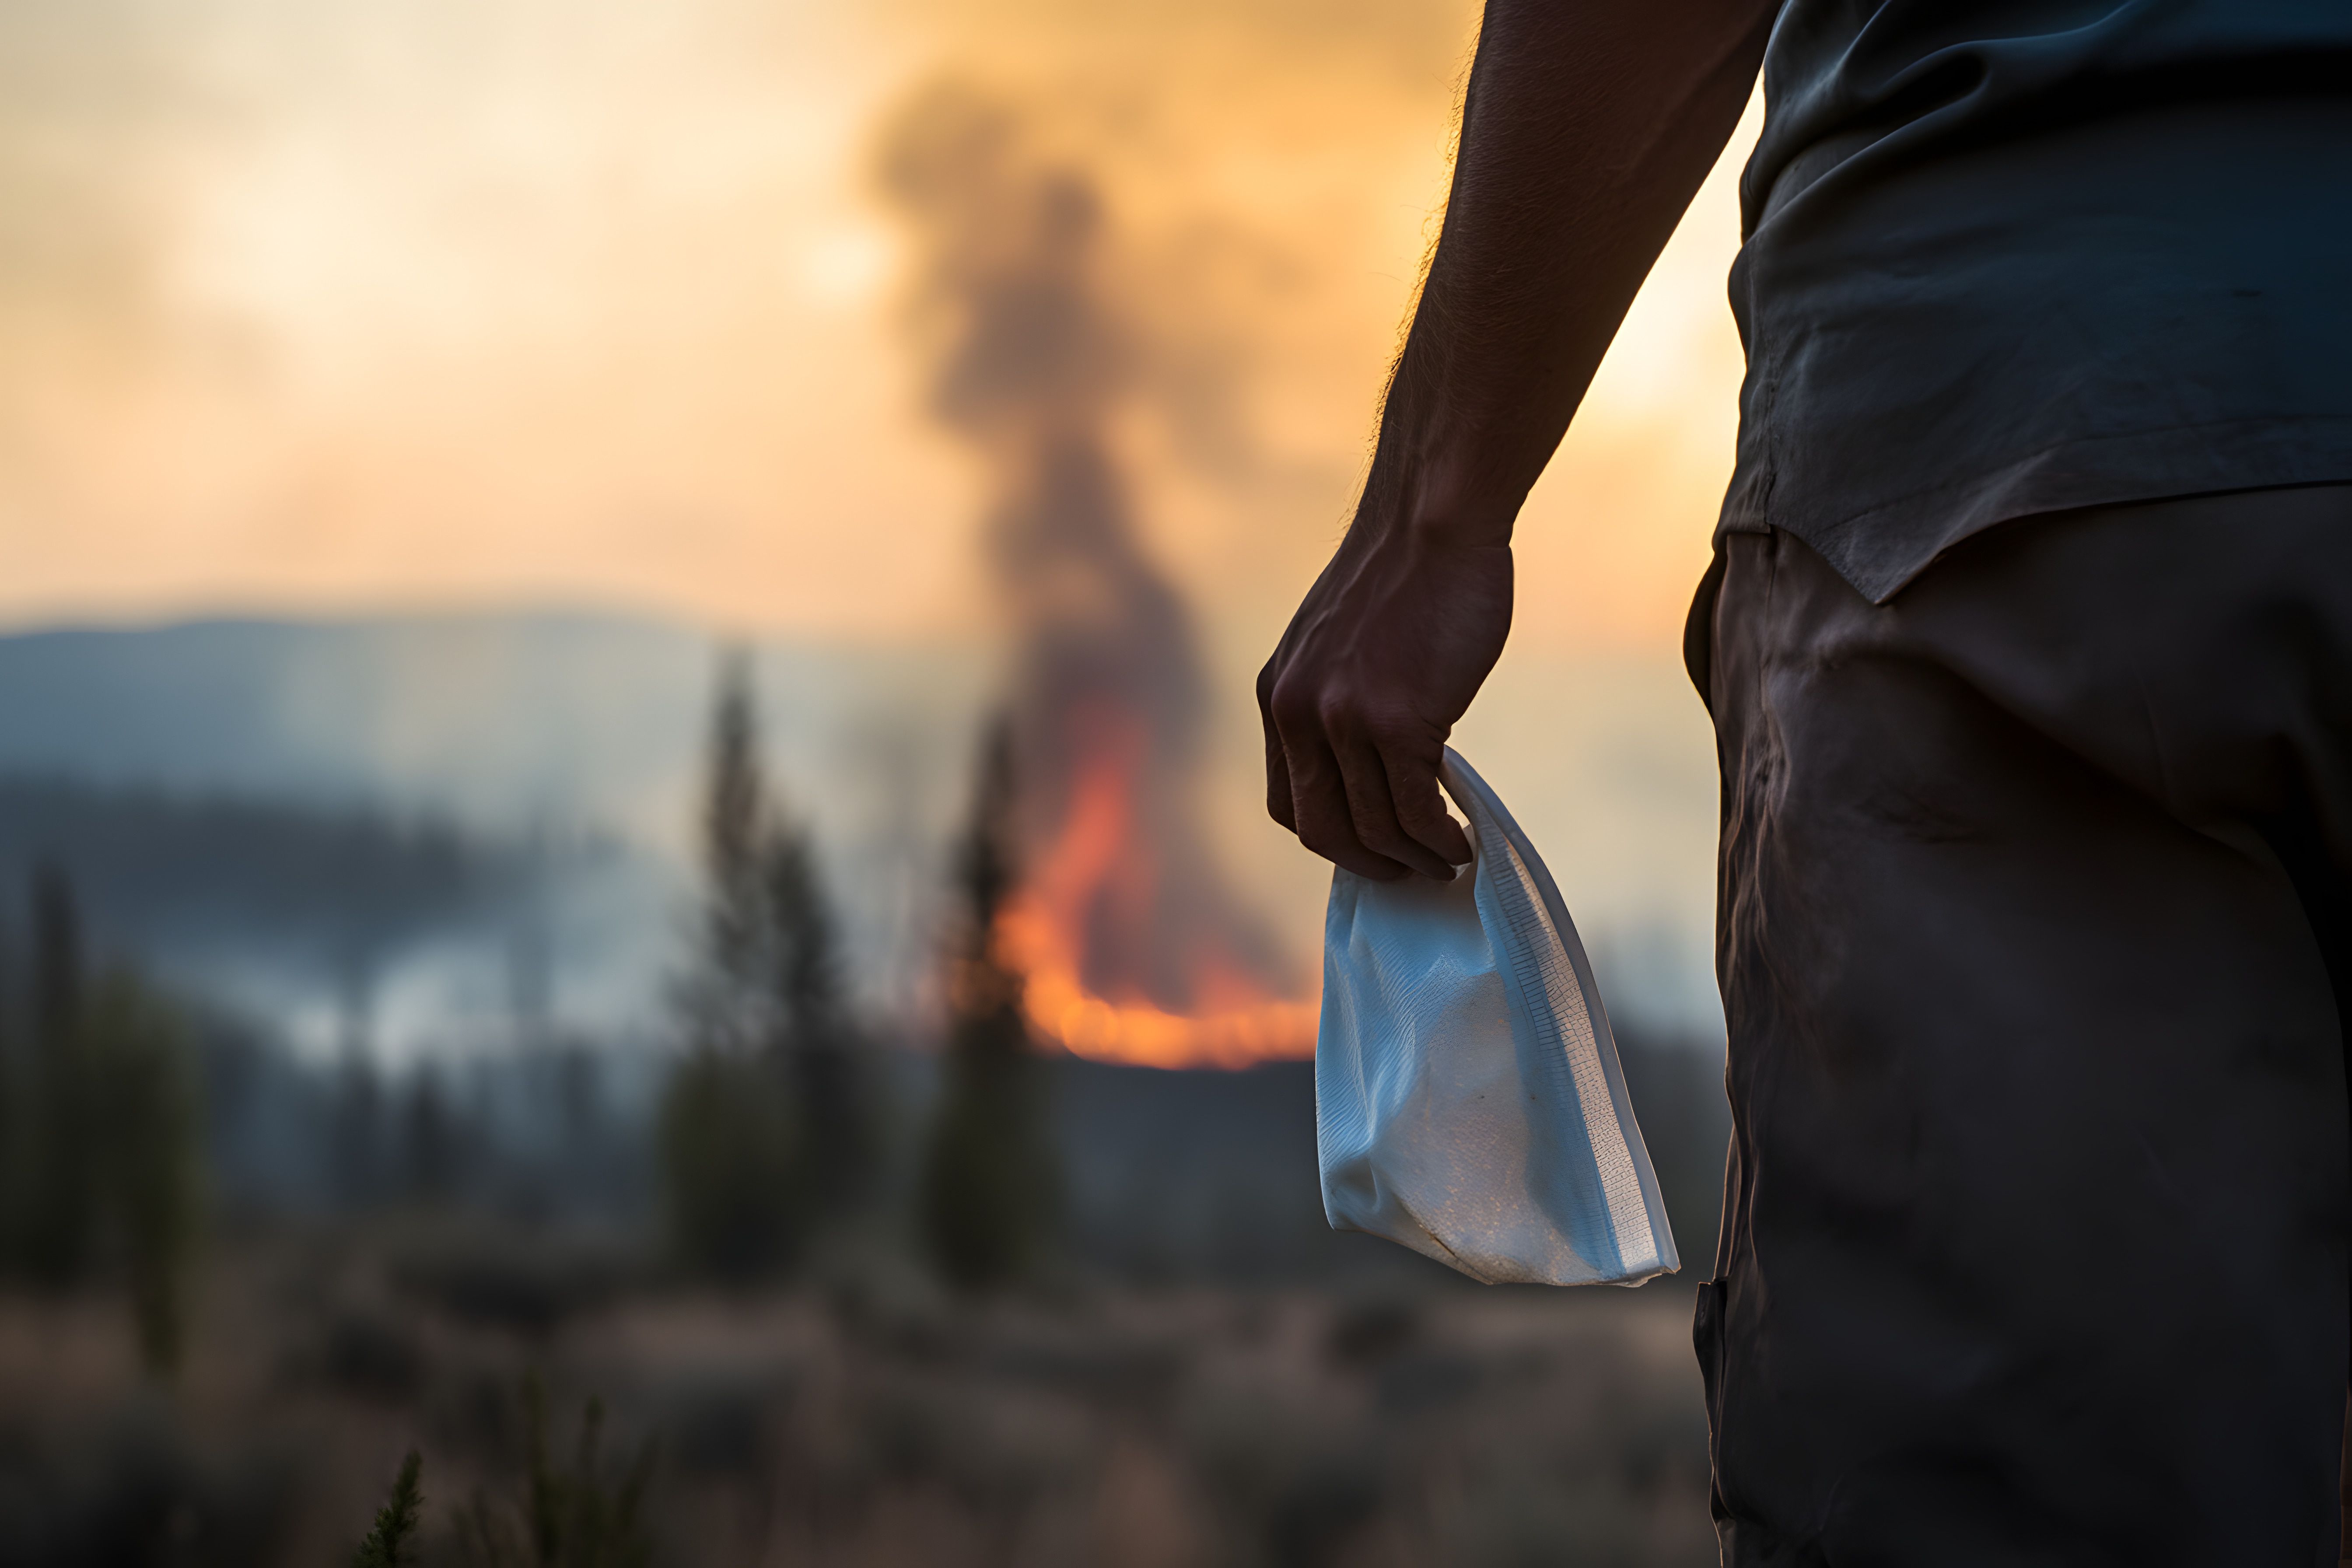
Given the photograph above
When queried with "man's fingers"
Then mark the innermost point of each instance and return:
(1421, 807)
(1278, 767)
(1319, 807)
(1278, 788)
(1339, 809)
(1372, 811)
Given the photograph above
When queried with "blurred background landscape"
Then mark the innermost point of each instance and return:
(628, 784)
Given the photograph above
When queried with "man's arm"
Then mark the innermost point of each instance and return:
(1587, 128)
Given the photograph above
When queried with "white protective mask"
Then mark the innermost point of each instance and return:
(1468, 1098)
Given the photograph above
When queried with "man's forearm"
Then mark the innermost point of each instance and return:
(1586, 130)
(1587, 126)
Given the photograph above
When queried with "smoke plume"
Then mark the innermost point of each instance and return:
(1033, 362)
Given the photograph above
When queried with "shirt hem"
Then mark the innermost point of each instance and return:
(1882, 548)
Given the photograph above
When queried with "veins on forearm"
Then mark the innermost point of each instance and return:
(1585, 132)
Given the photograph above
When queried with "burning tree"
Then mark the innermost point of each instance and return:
(1133, 947)
(765, 1130)
(988, 1179)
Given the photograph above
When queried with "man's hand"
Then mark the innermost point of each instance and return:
(1390, 644)
(1586, 130)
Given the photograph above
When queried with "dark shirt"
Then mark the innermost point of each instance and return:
(2007, 258)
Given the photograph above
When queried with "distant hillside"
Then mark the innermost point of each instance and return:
(163, 872)
(510, 728)
(1166, 1176)
(498, 717)
(210, 777)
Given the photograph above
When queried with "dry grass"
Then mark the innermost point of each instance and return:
(871, 1421)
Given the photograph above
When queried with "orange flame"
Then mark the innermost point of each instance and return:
(1094, 858)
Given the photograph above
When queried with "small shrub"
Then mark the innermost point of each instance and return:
(575, 1518)
(386, 1545)
(564, 1519)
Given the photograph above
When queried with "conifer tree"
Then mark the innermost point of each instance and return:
(988, 1189)
(430, 1149)
(728, 1149)
(110, 1129)
(356, 1150)
(766, 1131)
(146, 1154)
(822, 1058)
(60, 1202)
(732, 963)
(15, 1158)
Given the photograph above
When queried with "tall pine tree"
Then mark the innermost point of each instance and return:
(728, 1005)
(766, 1131)
(822, 1055)
(146, 1153)
(989, 1184)
(60, 1197)
(110, 1178)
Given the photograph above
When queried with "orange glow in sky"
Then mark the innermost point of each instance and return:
(323, 305)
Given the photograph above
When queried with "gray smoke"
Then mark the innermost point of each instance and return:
(1030, 361)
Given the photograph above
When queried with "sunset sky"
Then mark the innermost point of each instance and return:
(323, 306)
(314, 305)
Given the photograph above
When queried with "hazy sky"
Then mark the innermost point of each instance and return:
(316, 306)
(321, 304)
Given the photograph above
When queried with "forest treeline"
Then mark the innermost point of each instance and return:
(782, 1126)
(778, 1131)
(99, 1139)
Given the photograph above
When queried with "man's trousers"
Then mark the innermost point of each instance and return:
(2035, 911)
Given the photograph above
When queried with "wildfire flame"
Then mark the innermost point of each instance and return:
(1131, 948)
(1098, 869)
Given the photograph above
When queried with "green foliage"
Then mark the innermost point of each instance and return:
(805, 949)
(732, 1191)
(821, 1053)
(396, 1522)
(57, 1221)
(146, 1153)
(102, 1176)
(765, 1127)
(988, 1181)
(565, 1519)
(579, 1517)
(987, 1186)
(725, 999)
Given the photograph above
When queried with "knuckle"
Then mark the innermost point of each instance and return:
(1295, 706)
(1416, 798)
(1399, 733)
(1379, 833)
(1327, 832)
(1369, 821)
(1417, 812)
(1341, 719)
